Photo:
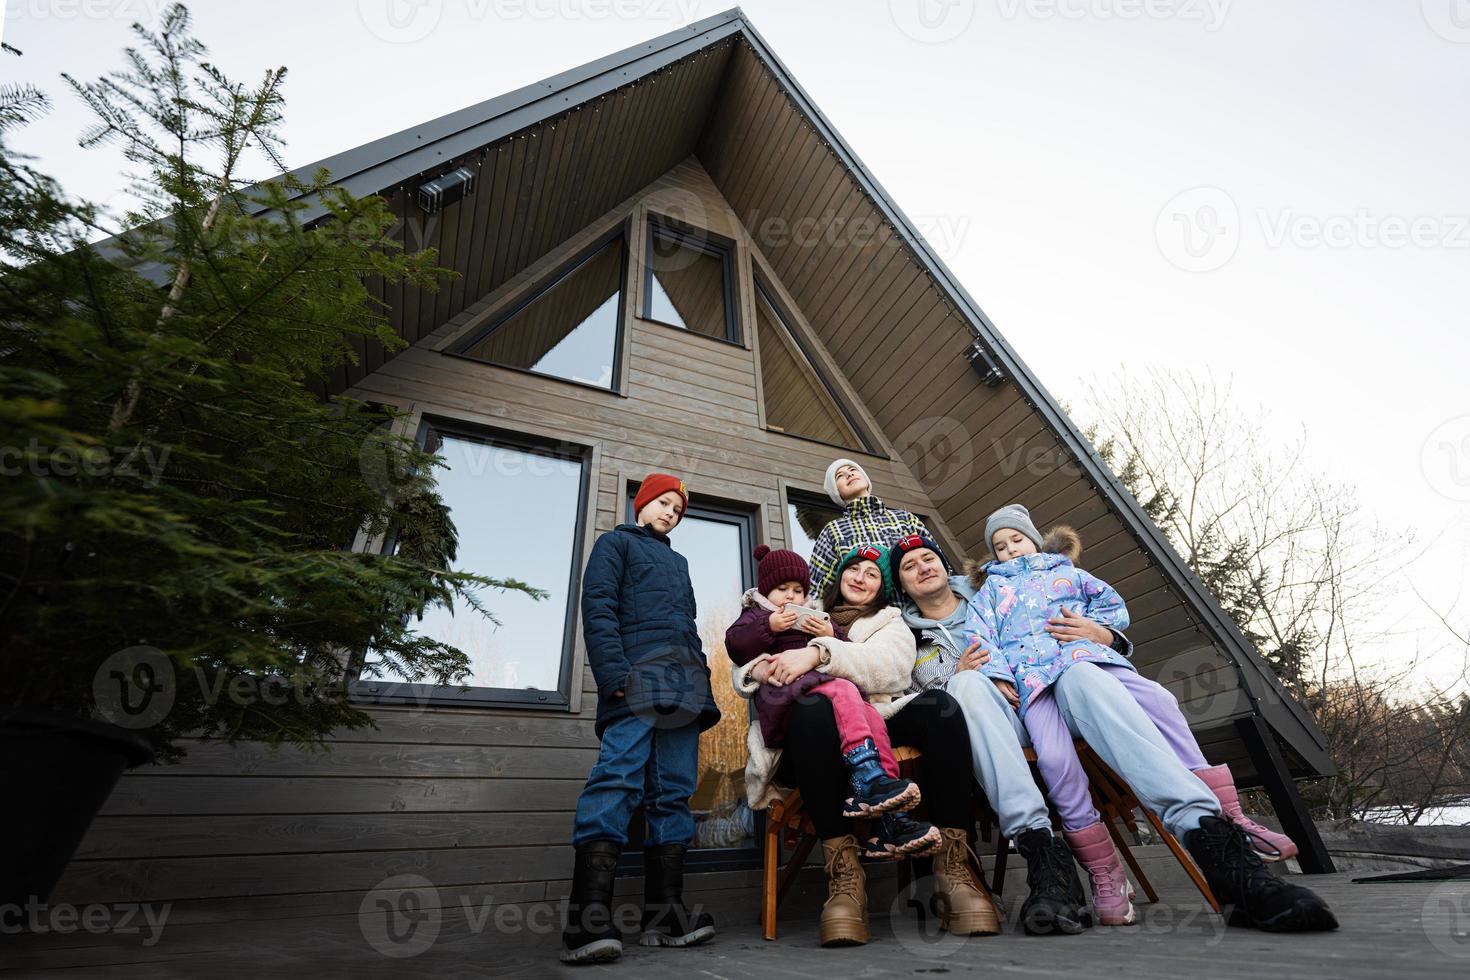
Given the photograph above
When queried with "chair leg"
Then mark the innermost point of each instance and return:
(769, 895)
(1138, 875)
(1002, 852)
(794, 865)
(1128, 800)
(1185, 860)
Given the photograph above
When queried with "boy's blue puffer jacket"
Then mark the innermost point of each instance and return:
(639, 627)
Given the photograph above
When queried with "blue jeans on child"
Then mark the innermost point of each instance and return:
(640, 763)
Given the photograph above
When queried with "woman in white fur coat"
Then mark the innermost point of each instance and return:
(878, 657)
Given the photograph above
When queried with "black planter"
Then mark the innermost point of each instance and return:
(57, 773)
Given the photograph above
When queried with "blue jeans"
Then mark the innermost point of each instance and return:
(639, 763)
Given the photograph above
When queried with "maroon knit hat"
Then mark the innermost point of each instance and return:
(775, 567)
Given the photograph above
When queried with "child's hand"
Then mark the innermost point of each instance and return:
(973, 658)
(761, 671)
(1071, 626)
(1008, 690)
(817, 626)
(617, 694)
(781, 621)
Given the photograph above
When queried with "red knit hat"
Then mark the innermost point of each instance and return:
(655, 485)
(775, 567)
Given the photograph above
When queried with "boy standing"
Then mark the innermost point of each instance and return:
(653, 700)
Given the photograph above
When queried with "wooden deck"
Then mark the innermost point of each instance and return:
(1388, 931)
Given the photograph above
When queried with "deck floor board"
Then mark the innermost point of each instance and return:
(1388, 930)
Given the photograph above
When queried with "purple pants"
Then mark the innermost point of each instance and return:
(1056, 756)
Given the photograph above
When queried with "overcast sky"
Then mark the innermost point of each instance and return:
(1273, 189)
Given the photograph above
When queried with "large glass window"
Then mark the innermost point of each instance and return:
(689, 281)
(568, 328)
(717, 544)
(799, 399)
(518, 509)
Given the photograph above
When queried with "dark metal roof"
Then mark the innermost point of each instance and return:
(421, 149)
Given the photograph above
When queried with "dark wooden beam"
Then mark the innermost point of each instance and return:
(1296, 822)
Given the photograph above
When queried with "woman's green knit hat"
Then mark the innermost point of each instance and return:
(872, 553)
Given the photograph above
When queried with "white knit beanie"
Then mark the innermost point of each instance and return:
(830, 483)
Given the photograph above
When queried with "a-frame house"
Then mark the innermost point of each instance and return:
(668, 260)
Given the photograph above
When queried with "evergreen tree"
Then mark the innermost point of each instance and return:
(174, 477)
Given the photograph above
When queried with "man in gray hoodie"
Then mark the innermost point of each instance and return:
(934, 602)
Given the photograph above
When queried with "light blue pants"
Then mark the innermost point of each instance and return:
(1056, 754)
(1098, 708)
(997, 740)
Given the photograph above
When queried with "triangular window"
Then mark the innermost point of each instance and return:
(568, 327)
(689, 281)
(800, 400)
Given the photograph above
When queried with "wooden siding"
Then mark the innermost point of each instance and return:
(471, 796)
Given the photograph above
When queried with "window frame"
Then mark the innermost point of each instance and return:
(707, 860)
(865, 442)
(385, 691)
(699, 240)
(547, 283)
(794, 496)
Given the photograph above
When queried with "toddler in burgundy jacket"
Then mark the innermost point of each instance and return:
(766, 627)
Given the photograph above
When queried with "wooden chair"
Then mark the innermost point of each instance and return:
(1115, 802)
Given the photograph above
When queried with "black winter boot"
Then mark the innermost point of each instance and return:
(873, 790)
(898, 836)
(666, 922)
(590, 936)
(1057, 902)
(1249, 894)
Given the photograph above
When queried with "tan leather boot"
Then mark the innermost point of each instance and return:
(965, 906)
(845, 914)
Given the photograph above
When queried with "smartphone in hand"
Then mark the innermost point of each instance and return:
(803, 613)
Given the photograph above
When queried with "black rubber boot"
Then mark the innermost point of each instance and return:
(1057, 902)
(1249, 894)
(590, 936)
(666, 922)
(873, 790)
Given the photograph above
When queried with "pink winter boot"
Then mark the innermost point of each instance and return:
(1112, 895)
(1266, 842)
